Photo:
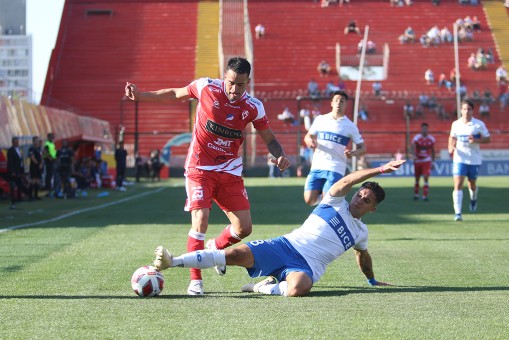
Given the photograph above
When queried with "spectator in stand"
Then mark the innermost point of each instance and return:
(462, 90)
(425, 41)
(341, 85)
(481, 60)
(363, 113)
(501, 73)
(472, 61)
(15, 168)
(488, 96)
(452, 76)
(423, 100)
(484, 110)
(305, 116)
(503, 94)
(429, 77)
(36, 167)
(445, 35)
(434, 35)
(408, 110)
(476, 95)
(476, 24)
(313, 88)
(441, 113)
(408, 36)
(490, 56)
(441, 80)
(330, 88)
(260, 31)
(465, 34)
(286, 116)
(370, 47)
(121, 160)
(377, 88)
(352, 28)
(323, 68)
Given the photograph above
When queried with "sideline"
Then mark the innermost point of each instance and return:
(21, 226)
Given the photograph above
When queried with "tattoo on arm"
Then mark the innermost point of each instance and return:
(275, 148)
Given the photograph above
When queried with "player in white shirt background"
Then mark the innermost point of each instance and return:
(295, 261)
(329, 136)
(467, 133)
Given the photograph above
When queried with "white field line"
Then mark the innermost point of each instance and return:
(72, 213)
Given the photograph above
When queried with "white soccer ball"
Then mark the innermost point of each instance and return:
(147, 281)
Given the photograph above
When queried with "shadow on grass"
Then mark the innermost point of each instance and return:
(401, 289)
(335, 291)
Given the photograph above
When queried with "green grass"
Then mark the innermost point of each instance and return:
(69, 278)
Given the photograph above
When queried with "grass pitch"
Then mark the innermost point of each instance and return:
(69, 277)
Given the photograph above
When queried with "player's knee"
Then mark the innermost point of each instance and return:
(298, 290)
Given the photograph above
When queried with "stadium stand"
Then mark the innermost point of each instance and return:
(102, 44)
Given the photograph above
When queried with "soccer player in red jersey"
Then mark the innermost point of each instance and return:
(424, 156)
(213, 167)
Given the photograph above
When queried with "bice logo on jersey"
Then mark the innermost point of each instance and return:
(222, 142)
(230, 116)
(245, 113)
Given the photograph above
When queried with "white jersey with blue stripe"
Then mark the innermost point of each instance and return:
(333, 135)
(468, 153)
(327, 233)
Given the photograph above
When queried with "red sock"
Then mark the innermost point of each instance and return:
(425, 189)
(195, 241)
(416, 189)
(227, 238)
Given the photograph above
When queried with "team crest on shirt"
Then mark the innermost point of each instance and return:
(245, 113)
(216, 104)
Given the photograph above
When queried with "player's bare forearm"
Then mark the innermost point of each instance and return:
(163, 95)
(275, 149)
(344, 185)
(365, 263)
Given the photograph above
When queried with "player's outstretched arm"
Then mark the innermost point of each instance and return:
(164, 95)
(344, 185)
(366, 266)
(275, 149)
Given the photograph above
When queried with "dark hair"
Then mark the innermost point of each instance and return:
(425, 124)
(14, 139)
(340, 93)
(376, 189)
(468, 102)
(239, 65)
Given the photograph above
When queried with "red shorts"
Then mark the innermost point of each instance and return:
(422, 169)
(226, 190)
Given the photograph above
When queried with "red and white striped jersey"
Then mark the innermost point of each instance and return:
(219, 125)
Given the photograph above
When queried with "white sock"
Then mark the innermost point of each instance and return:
(457, 200)
(201, 259)
(473, 194)
(275, 289)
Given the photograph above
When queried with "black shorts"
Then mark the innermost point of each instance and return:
(35, 172)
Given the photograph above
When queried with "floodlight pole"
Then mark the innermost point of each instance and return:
(358, 89)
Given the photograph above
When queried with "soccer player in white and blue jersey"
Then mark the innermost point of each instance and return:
(329, 136)
(295, 261)
(467, 133)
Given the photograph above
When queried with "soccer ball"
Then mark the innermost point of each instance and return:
(147, 281)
